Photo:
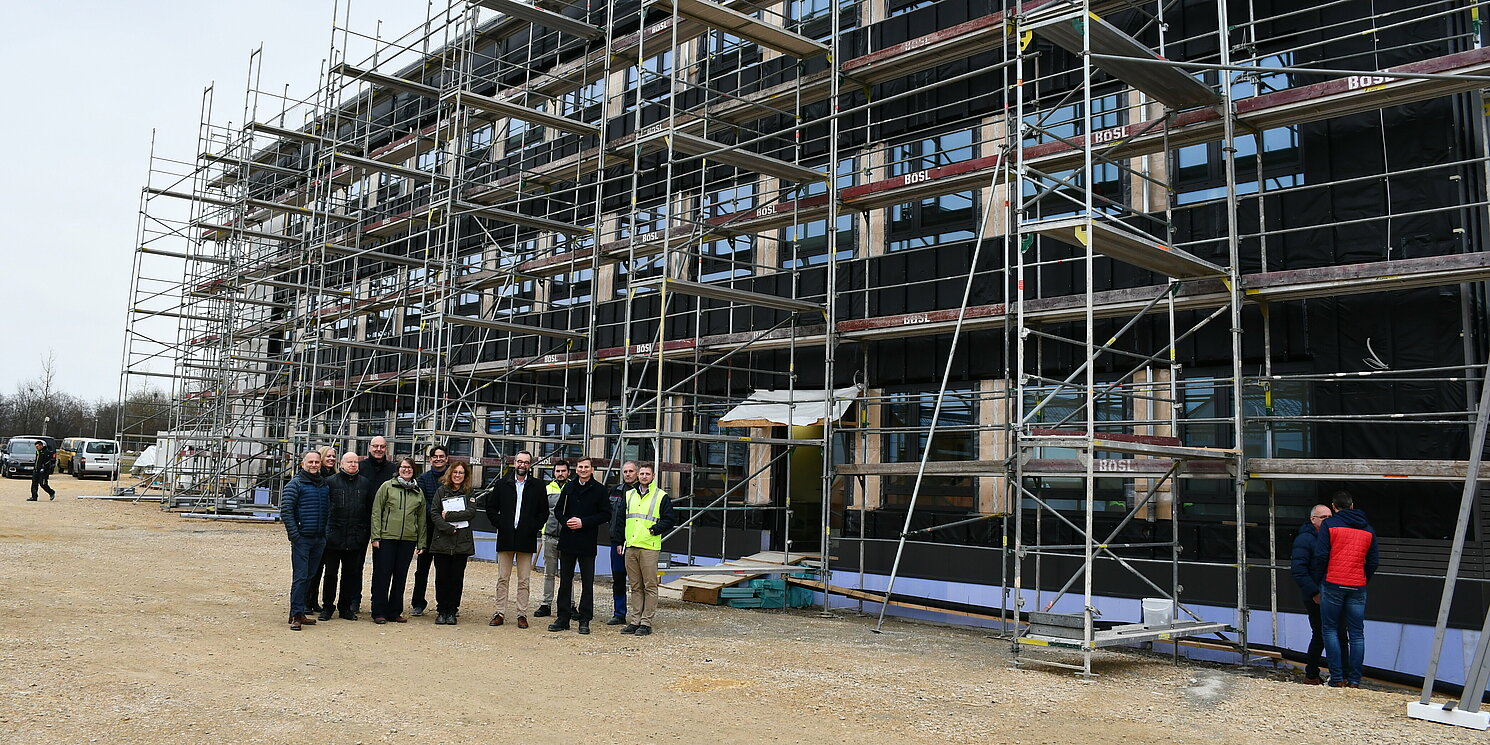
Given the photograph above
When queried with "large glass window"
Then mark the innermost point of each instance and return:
(908, 415)
(728, 258)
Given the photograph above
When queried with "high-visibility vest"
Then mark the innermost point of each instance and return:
(643, 510)
(553, 489)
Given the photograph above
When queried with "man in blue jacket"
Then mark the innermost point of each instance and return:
(1301, 567)
(1345, 557)
(303, 506)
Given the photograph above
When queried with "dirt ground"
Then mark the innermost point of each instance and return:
(128, 624)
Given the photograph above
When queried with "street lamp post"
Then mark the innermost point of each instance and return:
(44, 423)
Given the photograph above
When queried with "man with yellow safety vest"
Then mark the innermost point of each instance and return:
(649, 516)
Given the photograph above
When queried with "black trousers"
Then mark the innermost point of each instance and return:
(39, 479)
(346, 562)
(566, 609)
(313, 585)
(421, 580)
(1316, 641)
(390, 570)
(450, 581)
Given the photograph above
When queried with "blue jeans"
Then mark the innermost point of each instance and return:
(305, 557)
(1343, 606)
(618, 581)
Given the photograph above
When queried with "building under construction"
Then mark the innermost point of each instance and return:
(1031, 310)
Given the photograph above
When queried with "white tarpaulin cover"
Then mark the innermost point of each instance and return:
(788, 408)
(146, 461)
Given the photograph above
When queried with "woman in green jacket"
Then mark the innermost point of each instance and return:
(398, 516)
(453, 542)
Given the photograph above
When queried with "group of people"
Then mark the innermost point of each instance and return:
(333, 510)
(1334, 557)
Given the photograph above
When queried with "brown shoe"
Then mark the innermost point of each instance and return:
(522, 622)
(1313, 681)
(496, 620)
(399, 619)
(295, 624)
(303, 620)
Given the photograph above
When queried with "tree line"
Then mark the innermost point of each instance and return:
(39, 407)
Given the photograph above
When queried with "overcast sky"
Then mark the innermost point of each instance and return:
(87, 82)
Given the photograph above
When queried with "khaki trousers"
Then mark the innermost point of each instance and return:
(641, 585)
(524, 562)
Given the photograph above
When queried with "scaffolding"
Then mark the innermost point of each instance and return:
(599, 229)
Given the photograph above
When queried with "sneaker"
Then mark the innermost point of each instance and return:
(452, 619)
(418, 611)
(630, 628)
(543, 611)
(616, 621)
(559, 626)
(643, 630)
(325, 615)
(496, 620)
(440, 619)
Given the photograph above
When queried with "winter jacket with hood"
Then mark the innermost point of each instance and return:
(1345, 551)
(449, 539)
(399, 513)
(350, 522)
(1302, 564)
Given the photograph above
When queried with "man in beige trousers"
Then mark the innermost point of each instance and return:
(638, 524)
(517, 507)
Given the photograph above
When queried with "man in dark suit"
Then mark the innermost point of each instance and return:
(517, 507)
(583, 506)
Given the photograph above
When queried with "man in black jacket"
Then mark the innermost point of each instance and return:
(429, 483)
(46, 460)
(348, 528)
(617, 558)
(377, 467)
(583, 506)
(1300, 567)
(517, 507)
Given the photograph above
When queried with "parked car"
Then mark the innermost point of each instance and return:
(88, 456)
(20, 454)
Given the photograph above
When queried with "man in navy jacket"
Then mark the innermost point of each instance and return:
(1302, 568)
(303, 506)
(1345, 557)
(583, 506)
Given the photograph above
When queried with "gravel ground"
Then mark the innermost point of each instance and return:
(133, 625)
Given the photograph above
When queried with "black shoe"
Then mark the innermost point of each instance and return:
(325, 615)
(348, 615)
(616, 621)
(630, 628)
(33, 499)
(440, 620)
(54, 496)
(584, 627)
(451, 619)
(418, 610)
(543, 612)
(312, 608)
(643, 630)
(559, 626)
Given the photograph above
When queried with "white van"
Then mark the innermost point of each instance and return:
(95, 458)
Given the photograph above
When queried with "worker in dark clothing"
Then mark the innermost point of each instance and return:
(583, 506)
(46, 460)
(429, 483)
(349, 527)
(378, 468)
(1302, 567)
(1345, 558)
(617, 559)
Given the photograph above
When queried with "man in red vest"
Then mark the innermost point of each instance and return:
(1345, 557)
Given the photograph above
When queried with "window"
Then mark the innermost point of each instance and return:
(460, 445)
(430, 160)
(718, 42)
(403, 427)
(480, 138)
(390, 186)
(576, 103)
(521, 134)
(643, 221)
(807, 244)
(901, 7)
(909, 417)
(633, 448)
(935, 220)
(717, 466)
(732, 257)
(503, 427)
(566, 422)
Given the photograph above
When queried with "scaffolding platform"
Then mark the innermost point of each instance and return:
(732, 295)
(1120, 635)
(383, 80)
(1172, 86)
(745, 26)
(508, 326)
(733, 155)
(541, 17)
(1127, 245)
(518, 218)
(496, 109)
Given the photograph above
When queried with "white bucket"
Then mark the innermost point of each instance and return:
(1158, 611)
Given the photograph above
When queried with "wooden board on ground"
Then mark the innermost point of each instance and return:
(704, 588)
